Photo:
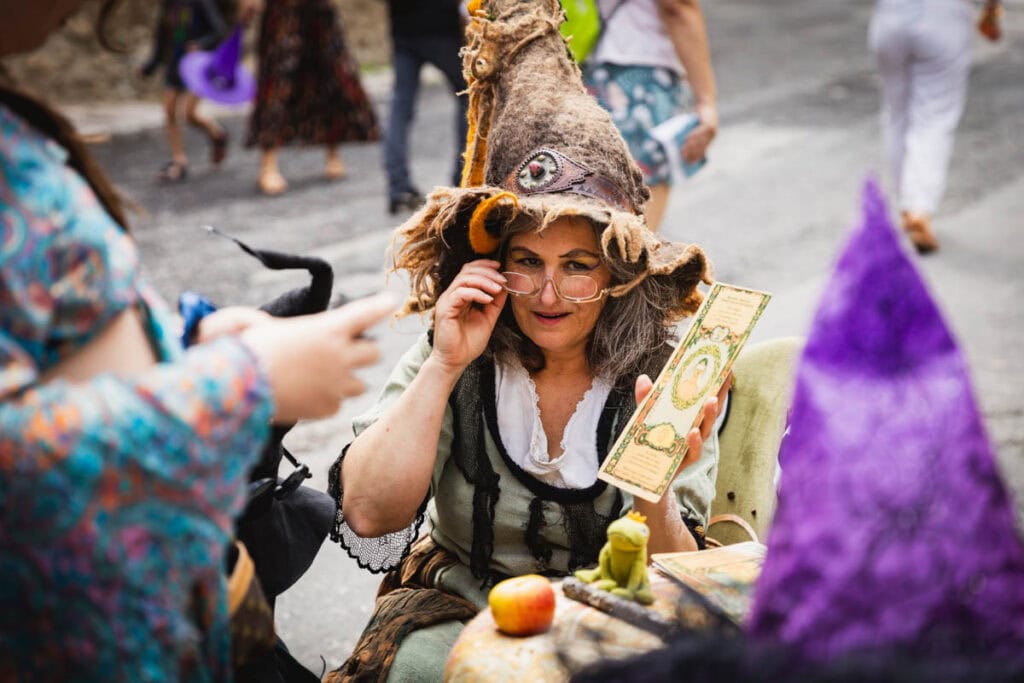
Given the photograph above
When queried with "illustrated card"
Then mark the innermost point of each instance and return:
(645, 458)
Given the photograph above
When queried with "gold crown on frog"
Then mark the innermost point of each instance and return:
(637, 517)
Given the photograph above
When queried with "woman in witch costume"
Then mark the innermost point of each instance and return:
(550, 301)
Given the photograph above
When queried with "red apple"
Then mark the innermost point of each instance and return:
(523, 605)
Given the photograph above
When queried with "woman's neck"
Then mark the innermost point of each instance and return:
(565, 364)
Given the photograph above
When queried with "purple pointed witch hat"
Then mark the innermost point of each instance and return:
(893, 530)
(218, 75)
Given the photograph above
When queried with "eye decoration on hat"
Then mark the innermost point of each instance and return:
(539, 171)
(548, 171)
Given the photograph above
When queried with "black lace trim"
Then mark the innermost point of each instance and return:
(376, 555)
(488, 393)
(538, 547)
(470, 457)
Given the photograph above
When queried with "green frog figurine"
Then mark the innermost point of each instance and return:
(622, 565)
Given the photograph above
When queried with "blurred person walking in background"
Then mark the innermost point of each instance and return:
(923, 51)
(183, 26)
(422, 32)
(309, 90)
(647, 49)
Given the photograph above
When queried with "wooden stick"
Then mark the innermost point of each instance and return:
(631, 612)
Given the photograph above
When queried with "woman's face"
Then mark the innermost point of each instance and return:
(568, 246)
(27, 23)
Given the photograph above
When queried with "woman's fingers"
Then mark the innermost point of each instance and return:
(479, 281)
(493, 263)
(695, 149)
(481, 267)
(483, 263)
(310, 361)
(694, 448)
(476, 278)
(493, 309)
(486, 268)
(229, 321)
(642, 388)
(724, 391)
(708, 417)
(698, 435)
(350, 387)
(489, 280)
(702, 432)
(464, 296)
(362, 352)
(467, 311)
(355, 318)
(712, 409)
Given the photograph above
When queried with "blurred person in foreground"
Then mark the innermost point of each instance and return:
(923, 52)
(422, 32)
(649, 52)
(123, 459)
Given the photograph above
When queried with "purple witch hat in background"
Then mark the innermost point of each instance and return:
(893, 530)
(218, 75)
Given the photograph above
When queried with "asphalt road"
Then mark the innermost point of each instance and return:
(799, 133)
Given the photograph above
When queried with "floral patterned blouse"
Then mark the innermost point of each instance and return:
(116, 494)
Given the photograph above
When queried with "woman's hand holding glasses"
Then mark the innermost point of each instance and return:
(466, 313)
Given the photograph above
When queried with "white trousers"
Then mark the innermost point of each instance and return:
(923, 51)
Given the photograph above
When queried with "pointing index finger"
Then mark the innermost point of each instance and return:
(363, 314)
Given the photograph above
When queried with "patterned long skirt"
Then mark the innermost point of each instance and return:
(309, 90)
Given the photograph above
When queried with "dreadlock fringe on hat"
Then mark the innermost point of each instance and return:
(539, 148)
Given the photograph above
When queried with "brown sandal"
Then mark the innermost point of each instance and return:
(219, 148)
(174, 172)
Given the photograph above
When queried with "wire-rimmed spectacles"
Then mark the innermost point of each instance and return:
(579, 289)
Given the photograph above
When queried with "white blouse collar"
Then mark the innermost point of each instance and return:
(522, 432)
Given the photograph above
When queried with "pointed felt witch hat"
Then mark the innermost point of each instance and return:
(893, 530)
(284, 524)
(218, 75)
(539, 148)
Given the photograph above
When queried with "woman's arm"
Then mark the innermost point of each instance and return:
(684, 22)
(669, 532)
(184, 432)
(387, 468)
(121, 348)
(386, 471)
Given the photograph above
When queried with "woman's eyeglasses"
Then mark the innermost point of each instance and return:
(579, 289)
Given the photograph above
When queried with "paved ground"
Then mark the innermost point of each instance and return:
(799, 133)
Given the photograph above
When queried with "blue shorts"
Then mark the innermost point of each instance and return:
(639, 98)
